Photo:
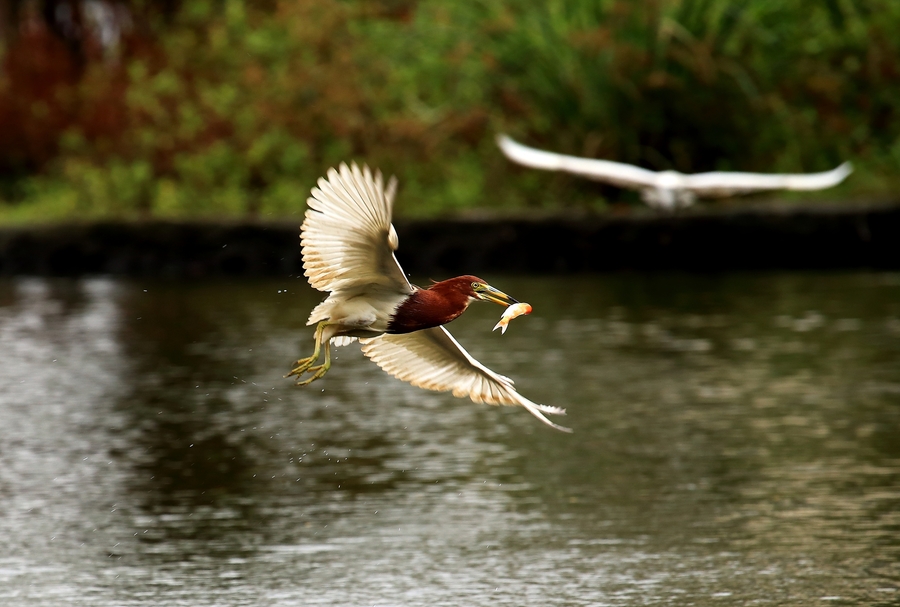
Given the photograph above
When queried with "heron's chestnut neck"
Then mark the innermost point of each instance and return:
(437, 305)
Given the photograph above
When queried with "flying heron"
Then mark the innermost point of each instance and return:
(348, 245)
(669, 189)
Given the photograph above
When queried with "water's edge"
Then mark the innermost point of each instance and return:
(747, 239)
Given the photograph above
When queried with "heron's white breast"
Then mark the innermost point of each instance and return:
(370, 311)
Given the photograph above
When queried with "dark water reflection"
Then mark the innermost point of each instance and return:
(737, 441)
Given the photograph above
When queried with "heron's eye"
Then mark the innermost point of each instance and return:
(475, 286)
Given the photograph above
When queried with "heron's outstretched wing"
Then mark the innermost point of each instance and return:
(347, 237)
(433, 360)
(615, 173)
(720, 183)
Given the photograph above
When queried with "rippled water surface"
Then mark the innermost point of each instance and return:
(737, 441)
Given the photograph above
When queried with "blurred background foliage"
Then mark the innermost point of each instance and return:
(224, 108)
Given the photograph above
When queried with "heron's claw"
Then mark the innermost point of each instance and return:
(305, 365)
(302, 366)
(317, 372)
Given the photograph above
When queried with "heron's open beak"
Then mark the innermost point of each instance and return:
(489, 293)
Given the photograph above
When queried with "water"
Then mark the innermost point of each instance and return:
(736, 442)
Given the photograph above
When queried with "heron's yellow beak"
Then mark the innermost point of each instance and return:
(486, 292)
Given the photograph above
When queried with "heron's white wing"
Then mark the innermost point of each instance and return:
(616, 173)
(347, 236)
(720, 183)
(433, 360)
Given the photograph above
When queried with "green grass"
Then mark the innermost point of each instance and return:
(234, 109)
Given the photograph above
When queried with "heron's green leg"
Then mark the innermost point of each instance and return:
(304, 364)
(319, 370)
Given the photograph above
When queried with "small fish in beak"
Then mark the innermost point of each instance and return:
(513, 311)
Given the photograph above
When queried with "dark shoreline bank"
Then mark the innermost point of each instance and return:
(699, 241)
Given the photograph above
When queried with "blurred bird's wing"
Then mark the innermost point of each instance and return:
(433, 360)
(347, 237)
(716, 183)
(616, 173)
(719, 183)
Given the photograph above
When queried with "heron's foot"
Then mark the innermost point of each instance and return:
(305, 365)
(302, 366)
(317, 372)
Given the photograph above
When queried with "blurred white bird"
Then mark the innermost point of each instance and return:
(669, 189)
(348, 251)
